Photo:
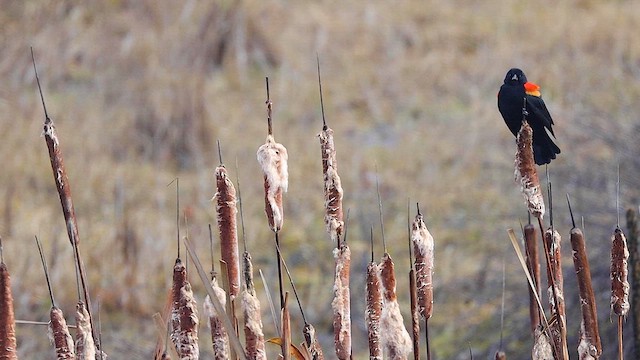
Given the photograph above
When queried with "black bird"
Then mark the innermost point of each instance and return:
(514, 94)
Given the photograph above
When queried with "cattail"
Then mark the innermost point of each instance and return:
(273, 157)
(526, 173)
(423, 247)
(556, 292)
(59, 335)
(589, 346)
(533, 266)
(396, 340)
(373, 311)
(542, 349)
(226, 216)
(341, 303)
(85, 347)
(311, 342)
(500, 355)
(619, 273)
(7, 319)
(184, 315)
(619, 282)
(219, 335)
(333, 192)
(252, 320)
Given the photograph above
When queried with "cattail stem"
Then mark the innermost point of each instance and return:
(415, 315)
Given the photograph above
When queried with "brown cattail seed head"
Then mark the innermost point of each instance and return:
(526, 173)
(332, 186)
(273, 157)
(7, 319)
(619, 273)
(423, 247)
(226, 219)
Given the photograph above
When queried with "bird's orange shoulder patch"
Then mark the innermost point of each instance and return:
(532, 89)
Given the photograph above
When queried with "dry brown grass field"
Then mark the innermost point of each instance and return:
(141, 90)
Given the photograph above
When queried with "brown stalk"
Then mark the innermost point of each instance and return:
(533, 266)
(556, 293)
(373, 311)
(8, 344)
(341, 303)
(500, 355)
(396, 341)
(590, 346)
(59, 335)
(526, 173)
(64, 192)
(226, 215)
(619, 281)
(253, 333)
(633, 229)
(286, 329)
(219, 336)
(85, 347)
(415, 315)
(184, 315)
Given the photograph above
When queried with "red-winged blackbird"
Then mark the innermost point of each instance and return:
(512, 97)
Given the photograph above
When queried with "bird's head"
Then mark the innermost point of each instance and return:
(515, 77)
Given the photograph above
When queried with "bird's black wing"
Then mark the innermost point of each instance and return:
(539, 110)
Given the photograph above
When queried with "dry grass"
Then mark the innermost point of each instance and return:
(132, 106)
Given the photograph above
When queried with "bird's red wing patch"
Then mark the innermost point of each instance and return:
(532, 89)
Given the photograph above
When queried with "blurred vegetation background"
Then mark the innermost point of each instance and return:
(141, 90)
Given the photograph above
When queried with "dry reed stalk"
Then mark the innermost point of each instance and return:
(533, 266)
(341, 303)
(8, 344)
(219, 336)
(59, 335)
(285, 320)
(396, 340)
(184, 315)
(526, 173)
(589, 346)
(556, 293)
(254, 336)
(311, 342)
(226, 218)
(542, 349)
(373, 311)
(85, 347)
(500, 355)
(273, 157)
(333, 192)
(423, 246)
(415, 314)
(619, 282)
